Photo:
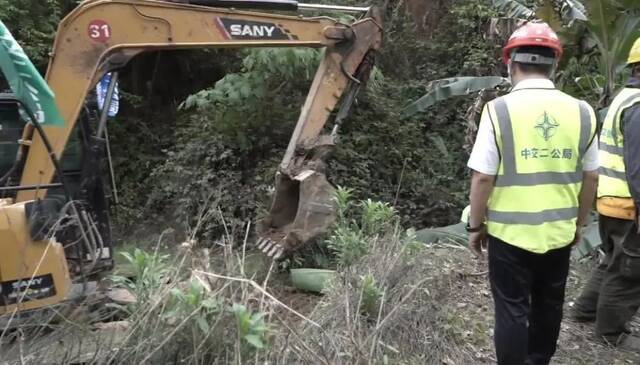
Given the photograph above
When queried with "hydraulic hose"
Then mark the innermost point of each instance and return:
(52, 155)
(283, 5)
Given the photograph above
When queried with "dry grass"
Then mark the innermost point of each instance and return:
(398, 304)
(437, 309)
(420, 311)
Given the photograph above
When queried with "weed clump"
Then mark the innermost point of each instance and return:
(391, 299)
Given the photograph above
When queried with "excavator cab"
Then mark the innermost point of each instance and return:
(11, 127)
(37, 269)
(80, 173)
(47, 242)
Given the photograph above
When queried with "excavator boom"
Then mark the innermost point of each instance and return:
(102, 35)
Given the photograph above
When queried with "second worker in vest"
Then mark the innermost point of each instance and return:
(534, 179)
(612, 295)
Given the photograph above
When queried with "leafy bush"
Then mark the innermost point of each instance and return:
(229, 138)
(33, 23)
(352, 238)
(252, 328)
(183, 314)
(262, 73)
(358, 231)
(150, 272)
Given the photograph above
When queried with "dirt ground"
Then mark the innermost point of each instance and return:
(467, 313)
(577, 343)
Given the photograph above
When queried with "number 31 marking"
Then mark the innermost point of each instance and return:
(99, 31)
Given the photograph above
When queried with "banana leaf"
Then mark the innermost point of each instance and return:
(547, 12)
(614, 30)
(514, 9)
(573, 10)
(457, 235)
(456, 86)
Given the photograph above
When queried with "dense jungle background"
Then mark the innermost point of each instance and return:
(213, 124)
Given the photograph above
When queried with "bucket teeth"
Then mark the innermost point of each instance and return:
(279, 253)
(265, 245)
(262, 242)
(270, 247)
(274, 248)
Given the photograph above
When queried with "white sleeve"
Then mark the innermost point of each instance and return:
(484, 156)
(590, 160)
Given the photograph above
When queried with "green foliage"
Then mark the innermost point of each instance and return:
(440, 90)
(356, 232)
(33, 23)
(581, 78)
(376, 217)
(515, 8)
(350, 240)
(371, 295)
(197, 306)
(195, 319)
(252, 328)
(348, 245)
(150, 271)
(412, 245)
(230, 139)
(393, 159)
(614, 27)
(224, 147)
(251, 84)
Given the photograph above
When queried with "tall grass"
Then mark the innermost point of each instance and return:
(388, 304)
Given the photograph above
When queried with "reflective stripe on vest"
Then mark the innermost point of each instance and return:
(534, 204)
(613, 178)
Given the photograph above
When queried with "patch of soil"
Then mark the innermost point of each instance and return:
(472, 318)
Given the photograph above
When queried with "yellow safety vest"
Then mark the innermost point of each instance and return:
(542, 135)
(614, 197)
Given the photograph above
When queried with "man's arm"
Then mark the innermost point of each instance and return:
(587, 196)
(484, 162)
(590, 165)
(481, 188)
(631, 131)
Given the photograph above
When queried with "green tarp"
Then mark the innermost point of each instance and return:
(26, 83)
(457, 235)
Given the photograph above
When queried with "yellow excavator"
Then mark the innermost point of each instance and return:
(54, 215)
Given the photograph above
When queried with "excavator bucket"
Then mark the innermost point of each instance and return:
(302, 209)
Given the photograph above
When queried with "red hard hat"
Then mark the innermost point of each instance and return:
(532, 35)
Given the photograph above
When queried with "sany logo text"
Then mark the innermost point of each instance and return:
(251, 30)
(19, 285)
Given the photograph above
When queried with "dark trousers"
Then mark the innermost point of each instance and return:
(612, 294)
(528, 291)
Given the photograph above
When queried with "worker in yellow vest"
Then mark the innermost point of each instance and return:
(612, 295)
(534, 162)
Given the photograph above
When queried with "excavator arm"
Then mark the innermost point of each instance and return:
(103, 35)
